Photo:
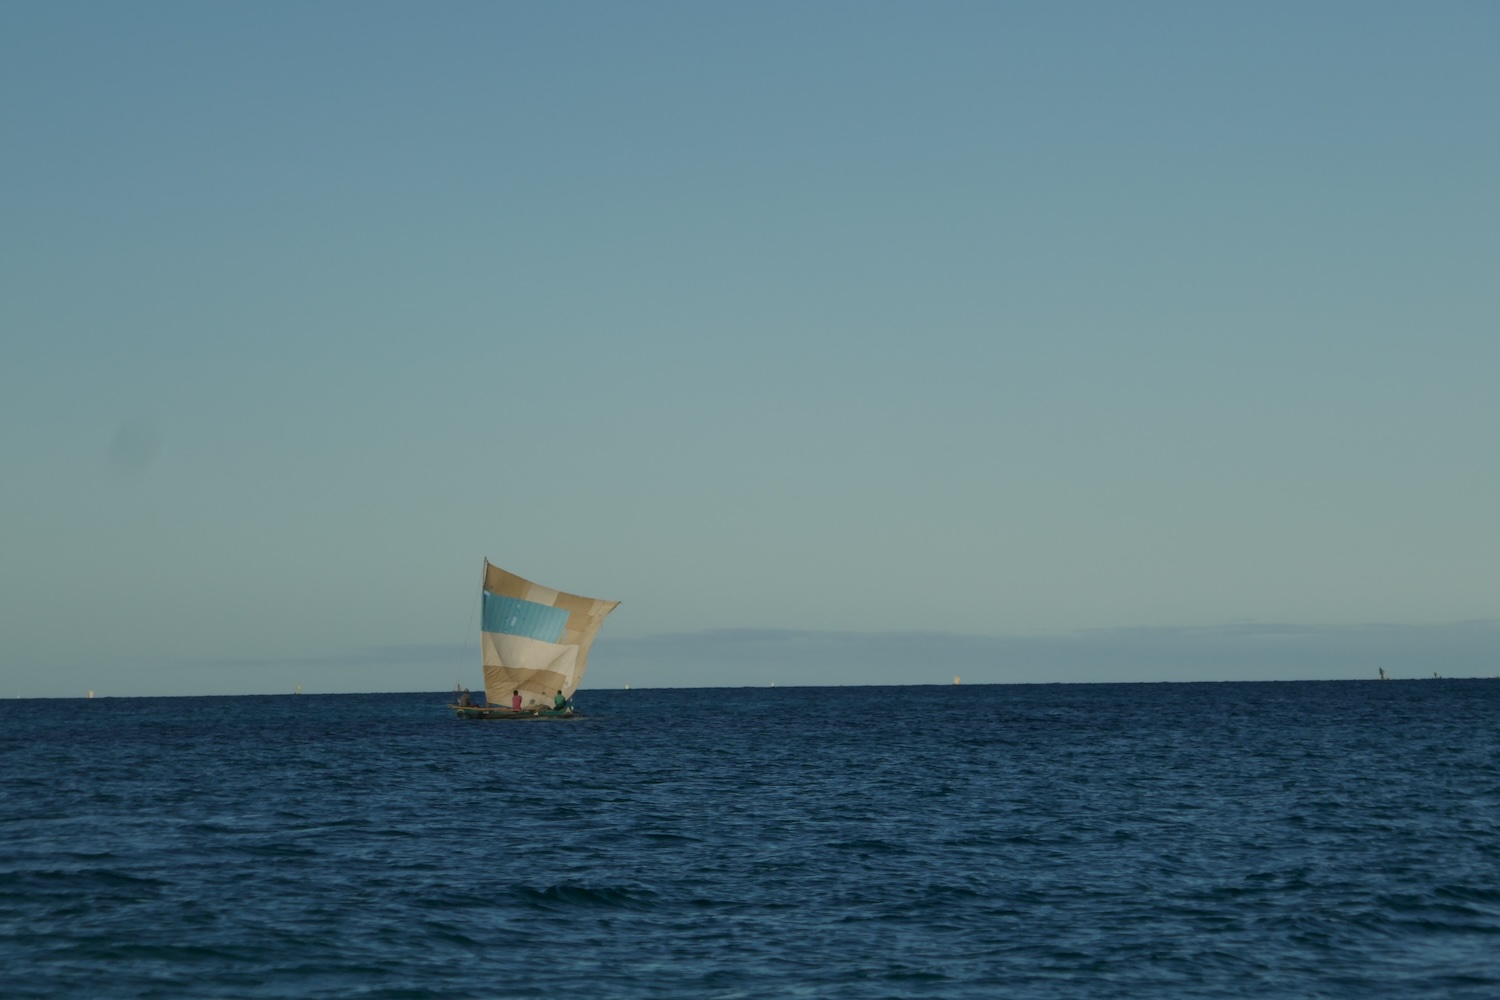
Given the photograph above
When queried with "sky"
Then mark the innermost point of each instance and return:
(841, 342)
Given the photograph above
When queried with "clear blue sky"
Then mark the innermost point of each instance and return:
(838, 340)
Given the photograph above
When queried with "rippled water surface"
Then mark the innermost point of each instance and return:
(1333, 839)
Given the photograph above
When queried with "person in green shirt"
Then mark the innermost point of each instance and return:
(559, 702)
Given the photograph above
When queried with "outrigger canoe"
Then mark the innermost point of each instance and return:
(495, 712)
(534, 643)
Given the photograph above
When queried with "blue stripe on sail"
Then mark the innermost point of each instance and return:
(513, 616)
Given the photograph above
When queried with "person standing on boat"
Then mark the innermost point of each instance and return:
(463, 697)
(515, 701)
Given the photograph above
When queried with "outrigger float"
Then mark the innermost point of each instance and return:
(534, 643)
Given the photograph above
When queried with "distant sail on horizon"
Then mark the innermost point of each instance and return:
(534, 639)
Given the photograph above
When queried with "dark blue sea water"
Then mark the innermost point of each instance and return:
(1333, 839)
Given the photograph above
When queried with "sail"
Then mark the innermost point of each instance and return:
(534, 639)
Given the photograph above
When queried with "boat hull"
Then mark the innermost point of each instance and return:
(525, 715)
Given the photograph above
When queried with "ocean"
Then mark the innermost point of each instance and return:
(1319, 839)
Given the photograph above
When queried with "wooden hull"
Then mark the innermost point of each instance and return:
(495, 712)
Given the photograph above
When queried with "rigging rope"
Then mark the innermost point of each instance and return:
(463, 655)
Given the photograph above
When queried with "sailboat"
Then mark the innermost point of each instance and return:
(534, 643)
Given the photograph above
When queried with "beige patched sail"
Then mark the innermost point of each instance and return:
(535, 640)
